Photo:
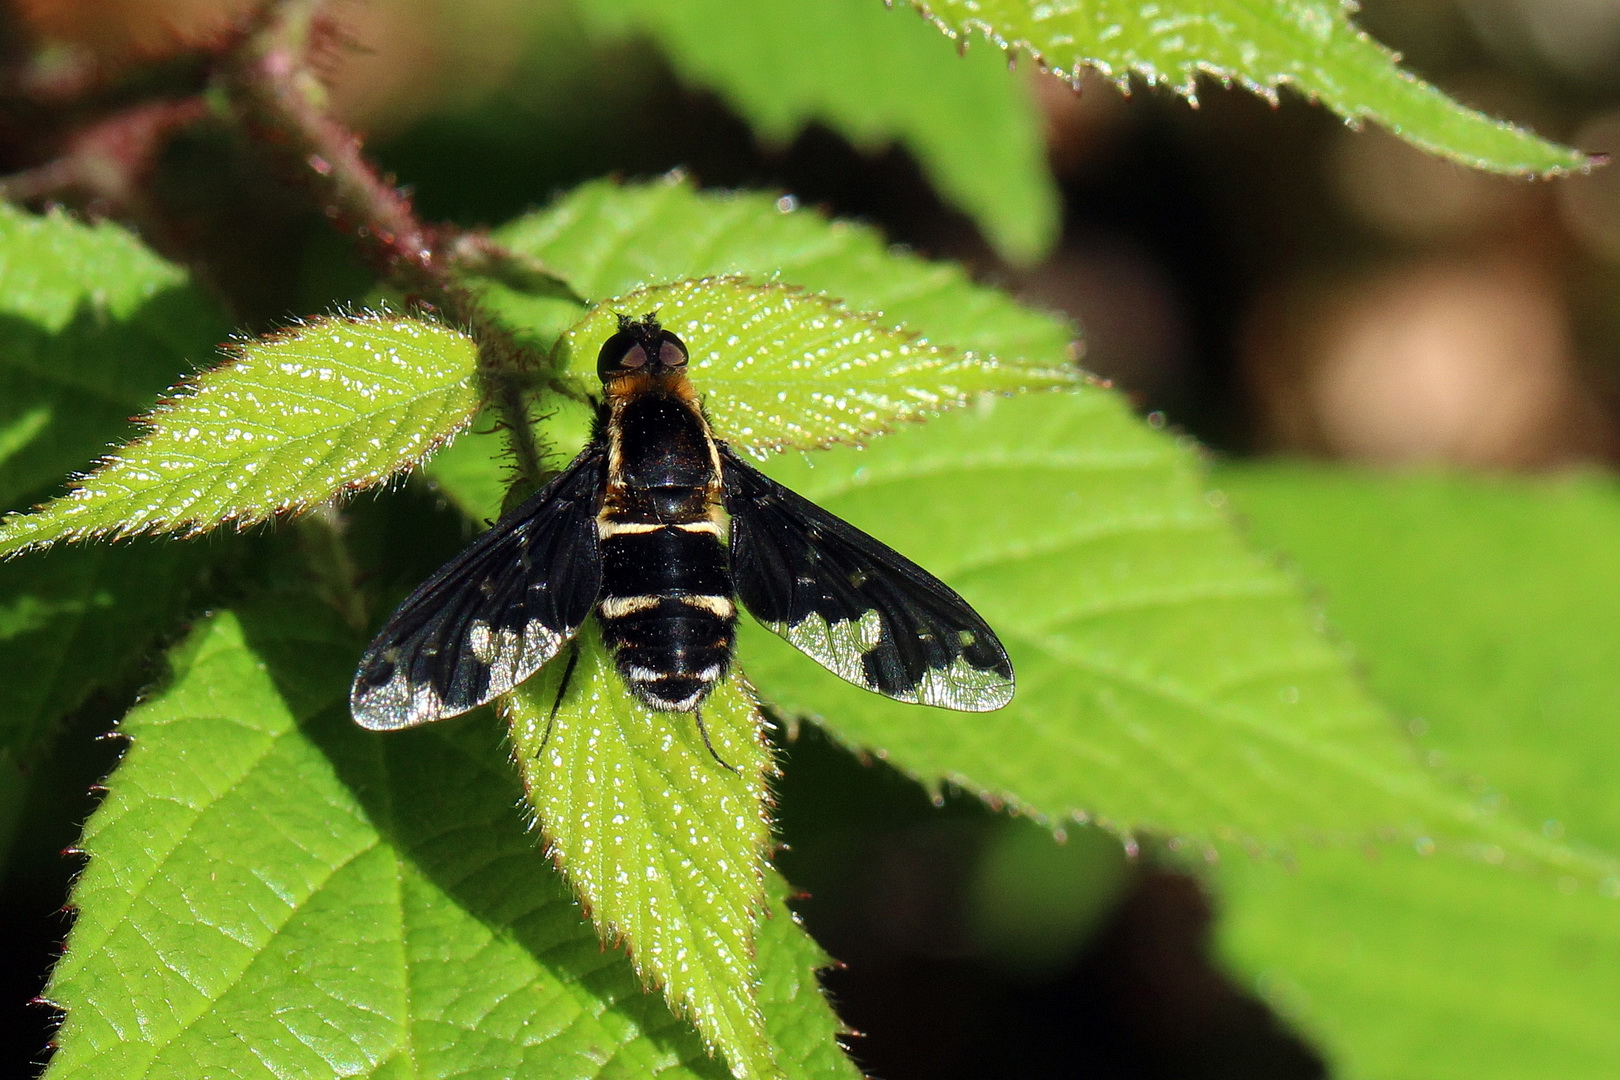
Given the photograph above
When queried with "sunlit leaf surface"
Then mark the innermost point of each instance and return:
(608, 239)
(1168, 679)
(611, 239)
(665, 843)
(780, 367)
(93, 326)
(290, 421)
(273, 892)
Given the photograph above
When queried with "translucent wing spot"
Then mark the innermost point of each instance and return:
(490, 617)
(856, 606)
(869, 631)
(481, 640)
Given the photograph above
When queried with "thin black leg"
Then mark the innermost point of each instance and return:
(697, 714)
(562, 688)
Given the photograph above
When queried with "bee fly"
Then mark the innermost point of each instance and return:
(660, 528)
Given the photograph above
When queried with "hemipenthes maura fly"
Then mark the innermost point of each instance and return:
(659, 527)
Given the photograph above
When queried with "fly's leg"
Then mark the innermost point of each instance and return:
(697, 715)
(562, 688)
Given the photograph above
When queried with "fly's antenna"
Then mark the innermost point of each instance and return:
(648, 321)
(697, 714)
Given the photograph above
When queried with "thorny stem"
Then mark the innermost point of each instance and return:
(268, 73)
(106, 162)
(280, 97)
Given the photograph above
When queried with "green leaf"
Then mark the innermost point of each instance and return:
(93, 326)
(875, 76)
(76, 619)
(291, 421)
(665, 844)
(779, 367)
(609, 239)
(1522, 575)
(1481, 610)
(474, 471)
(1402, 967)
(1169, 681)
(272, 891)
(1182, 677)
(1309, 45)
(802, 1026)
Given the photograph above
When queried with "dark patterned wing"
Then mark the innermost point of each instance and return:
(490, 617)
(855, 606)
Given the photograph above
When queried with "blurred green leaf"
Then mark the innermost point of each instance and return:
(665, 844)
(1518, 696)
(1034, 903)
(1168, 680)
(272, 891)
(93, 326)
(1482, 611)
(1409, 968)
(291, 421)
(1309, 45)
(780, 367)
(876, 77)
(75, 619)
(474, 471)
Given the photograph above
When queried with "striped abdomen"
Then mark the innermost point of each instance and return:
(666, 606)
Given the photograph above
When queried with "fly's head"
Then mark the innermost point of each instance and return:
(641, 349)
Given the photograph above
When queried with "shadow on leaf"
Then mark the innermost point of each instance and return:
(447, 803)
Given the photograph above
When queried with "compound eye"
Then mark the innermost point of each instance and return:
(615, 350)
(620, 354)
(672, 353)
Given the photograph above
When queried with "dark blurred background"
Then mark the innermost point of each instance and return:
(1261, 275)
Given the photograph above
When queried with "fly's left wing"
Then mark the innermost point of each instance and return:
(490, 617)
(854, 605)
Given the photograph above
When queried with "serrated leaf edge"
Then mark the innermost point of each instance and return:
(1269, 89)
(612, 936)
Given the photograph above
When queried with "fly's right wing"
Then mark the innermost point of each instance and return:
(490, 617)
(855, 605)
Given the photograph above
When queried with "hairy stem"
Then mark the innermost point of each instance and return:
(280, 97)
(330, 564)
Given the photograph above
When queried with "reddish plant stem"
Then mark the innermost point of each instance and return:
(281, 100)
(106, 164)
(268, 72)
(284, 104)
